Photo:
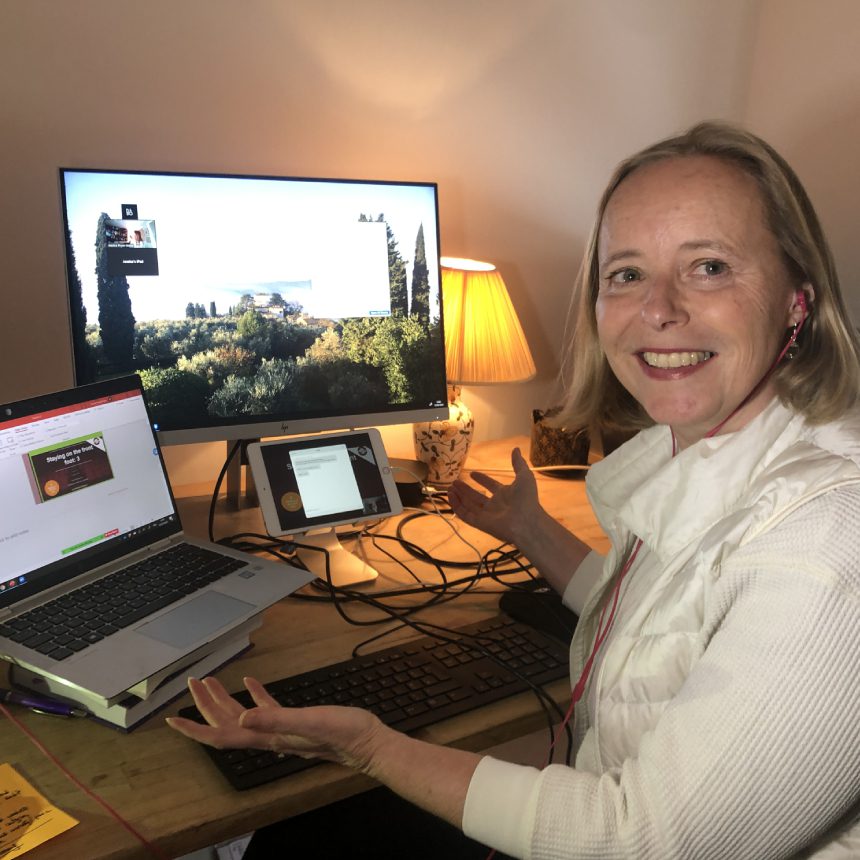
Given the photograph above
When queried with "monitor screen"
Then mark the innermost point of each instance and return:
(254, 305)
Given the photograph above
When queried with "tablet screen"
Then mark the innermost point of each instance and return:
(319, 480)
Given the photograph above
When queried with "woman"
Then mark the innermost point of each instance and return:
(717, 654)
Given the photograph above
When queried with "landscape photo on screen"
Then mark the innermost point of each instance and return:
(238, 296)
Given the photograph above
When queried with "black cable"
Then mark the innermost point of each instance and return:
(230, 455)
(396, 629)
(400, 614)
(439, 593)
(446, 634)
(275, 547)
(513, 556)
(417, 551)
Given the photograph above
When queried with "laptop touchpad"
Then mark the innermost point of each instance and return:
(195, 620)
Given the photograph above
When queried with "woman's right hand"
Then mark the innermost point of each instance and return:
(508, 509)
(345, 735)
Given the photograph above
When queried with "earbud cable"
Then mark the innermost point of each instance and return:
(602, 632)
(156, 852)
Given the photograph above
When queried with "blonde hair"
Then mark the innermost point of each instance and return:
(821, 382)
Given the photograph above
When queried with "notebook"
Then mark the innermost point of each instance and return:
(90, 538)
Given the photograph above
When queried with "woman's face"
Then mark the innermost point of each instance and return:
(694, 299)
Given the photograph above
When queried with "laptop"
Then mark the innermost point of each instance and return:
(99, 587)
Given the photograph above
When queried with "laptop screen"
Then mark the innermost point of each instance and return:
(83, 482)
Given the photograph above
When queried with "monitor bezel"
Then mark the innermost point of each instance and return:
(241, 428)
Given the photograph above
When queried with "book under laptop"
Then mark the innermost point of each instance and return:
(99, 586)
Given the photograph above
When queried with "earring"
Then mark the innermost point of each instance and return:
(793, 347)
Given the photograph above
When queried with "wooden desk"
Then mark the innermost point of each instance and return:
(167, 787)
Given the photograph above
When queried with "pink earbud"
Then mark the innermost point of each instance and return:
(801, 300)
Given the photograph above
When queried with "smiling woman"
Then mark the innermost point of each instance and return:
(745, 237)
(695, 297)
(715, 705)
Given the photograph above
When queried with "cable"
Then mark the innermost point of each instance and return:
(153, 849)
(445, 634)
(493, 564)
(217, 489)
(401, 615)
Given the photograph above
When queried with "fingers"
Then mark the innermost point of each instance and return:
(259, 693)
(522, 470)
(466, 495)
(331, 732)
(486, 481)
(183, 726)
(223, 714)
(228, 736)
(518, 461)
(196, 731)
(213, 701)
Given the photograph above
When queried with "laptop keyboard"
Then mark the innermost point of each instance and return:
(87, 615)
(409, 686)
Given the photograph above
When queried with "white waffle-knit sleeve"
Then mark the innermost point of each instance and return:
(581, 583)
(759, 753)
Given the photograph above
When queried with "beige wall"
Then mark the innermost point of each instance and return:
(804, 97)
(517, 109)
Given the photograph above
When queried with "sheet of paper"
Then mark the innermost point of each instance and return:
(27, 819)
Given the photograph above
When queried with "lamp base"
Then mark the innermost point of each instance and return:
(444, 445)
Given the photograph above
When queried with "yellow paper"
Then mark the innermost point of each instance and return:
(26, 818)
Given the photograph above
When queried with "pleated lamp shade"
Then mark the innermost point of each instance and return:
(484, 344)
(484, 341)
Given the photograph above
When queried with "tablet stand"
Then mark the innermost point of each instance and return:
(345, 568)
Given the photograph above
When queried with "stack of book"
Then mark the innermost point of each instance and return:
(144, 698)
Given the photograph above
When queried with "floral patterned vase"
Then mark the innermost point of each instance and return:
(444, 445)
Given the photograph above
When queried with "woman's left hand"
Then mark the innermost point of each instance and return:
(344, 735)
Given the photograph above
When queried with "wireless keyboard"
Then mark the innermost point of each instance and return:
(408, 686)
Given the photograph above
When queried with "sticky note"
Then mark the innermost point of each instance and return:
(27, 819)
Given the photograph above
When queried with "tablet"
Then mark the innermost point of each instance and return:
(321, 481)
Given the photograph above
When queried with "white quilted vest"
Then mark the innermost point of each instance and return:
(692, 511)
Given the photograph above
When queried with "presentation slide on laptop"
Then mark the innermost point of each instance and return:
(74, 478)
(69, 466)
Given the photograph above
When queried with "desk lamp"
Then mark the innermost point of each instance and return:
(484, 344)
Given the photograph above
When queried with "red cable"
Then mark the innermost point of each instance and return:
(583, 678)
(602, 632)
(156, 852)
(792, 339)
(579, 687)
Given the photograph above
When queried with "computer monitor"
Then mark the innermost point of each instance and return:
(257, 306)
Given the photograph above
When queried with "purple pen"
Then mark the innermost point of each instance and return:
(40, 705)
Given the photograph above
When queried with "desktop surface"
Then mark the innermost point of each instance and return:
(167, 787)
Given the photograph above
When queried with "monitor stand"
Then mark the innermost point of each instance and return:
(346, 568)
(238, 496)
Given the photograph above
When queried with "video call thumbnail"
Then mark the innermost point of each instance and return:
(131, 247)
(69, 466)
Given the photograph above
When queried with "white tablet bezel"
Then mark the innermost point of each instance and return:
(268, 503)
